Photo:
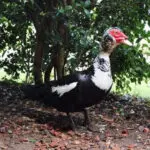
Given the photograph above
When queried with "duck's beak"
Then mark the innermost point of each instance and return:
(127, 42)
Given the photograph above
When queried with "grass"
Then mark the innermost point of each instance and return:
(142, 90)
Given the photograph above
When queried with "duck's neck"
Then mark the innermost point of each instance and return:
(102, 62)
(102, 72)
(104, 55)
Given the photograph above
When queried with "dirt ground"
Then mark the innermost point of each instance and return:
(122, 123)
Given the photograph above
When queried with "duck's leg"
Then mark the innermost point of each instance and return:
(72, 122)
(86, 117)
(87, 121)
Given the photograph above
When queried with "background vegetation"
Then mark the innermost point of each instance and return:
(38, 36)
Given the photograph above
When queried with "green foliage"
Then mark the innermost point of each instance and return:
(85, 24)
(17, 40)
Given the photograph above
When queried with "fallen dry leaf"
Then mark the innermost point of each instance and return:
(71, 133)
(2, 145)
(97, 138)
(24, 140)
(55, 133)
(107, 119)
(54, 144)
(131, 146)
(124, 133)
(141, 128)
(114, 147)
(77, 142)
(107, 134)
(146, 130)
(3, 129)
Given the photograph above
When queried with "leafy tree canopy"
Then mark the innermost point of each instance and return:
(40, 34)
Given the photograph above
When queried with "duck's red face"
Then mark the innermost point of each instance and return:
(119, 36)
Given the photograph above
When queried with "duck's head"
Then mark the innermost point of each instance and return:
(113, 37)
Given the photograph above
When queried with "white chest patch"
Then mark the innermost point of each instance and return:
(61, 89)
(102, 79)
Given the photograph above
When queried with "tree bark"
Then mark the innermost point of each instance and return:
(38, 58)
(48, 72)
(49, 68)
(60, 62)
(60, 59)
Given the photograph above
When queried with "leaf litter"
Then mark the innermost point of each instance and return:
(25, 124)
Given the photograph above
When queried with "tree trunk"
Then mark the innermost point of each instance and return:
(48, 72)
(60, 62)
(55, 74)
(38, 58)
